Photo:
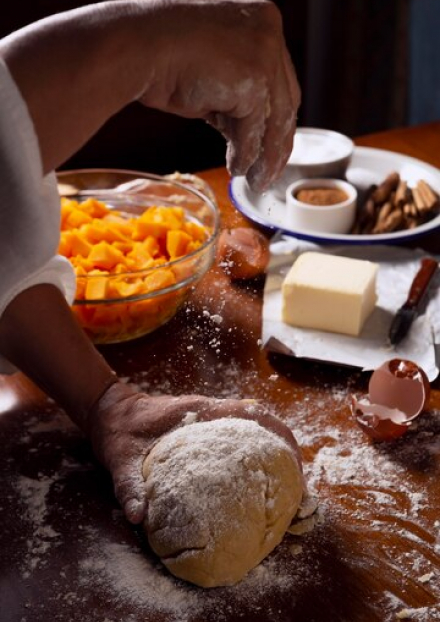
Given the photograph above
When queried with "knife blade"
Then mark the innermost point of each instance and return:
(411, 308)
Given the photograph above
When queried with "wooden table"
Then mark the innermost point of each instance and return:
(67, 553)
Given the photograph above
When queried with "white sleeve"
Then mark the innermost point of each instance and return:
(29, 207)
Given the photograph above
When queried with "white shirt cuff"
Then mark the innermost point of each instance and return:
(57, 271)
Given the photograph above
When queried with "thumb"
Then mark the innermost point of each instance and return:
(129, 487)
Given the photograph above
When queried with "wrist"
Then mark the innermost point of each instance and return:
(89, 410)
(106, 419)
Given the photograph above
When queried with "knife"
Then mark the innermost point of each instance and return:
(410, 309)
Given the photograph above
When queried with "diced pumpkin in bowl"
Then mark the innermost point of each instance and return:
(151, 228)
(115, 232)
(125, 248)
(159, 279)
(93, 207)
(108, 318)
(76, 218)
(96, 287)
(177, 243)
(78, 245)
(123, 259)
(152, 246)
(140, 255)
(105, 256)
(196, 231)
(123, 288)
(65, 246)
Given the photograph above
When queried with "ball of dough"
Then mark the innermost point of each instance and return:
(221, 495)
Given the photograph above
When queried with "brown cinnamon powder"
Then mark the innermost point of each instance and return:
(321, 196)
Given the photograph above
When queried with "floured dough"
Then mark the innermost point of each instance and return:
(221, 495)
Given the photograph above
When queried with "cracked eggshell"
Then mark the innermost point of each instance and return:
(398, 392)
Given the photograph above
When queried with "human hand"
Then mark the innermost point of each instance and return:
(125, 424)
(227, 62)
(224, 61)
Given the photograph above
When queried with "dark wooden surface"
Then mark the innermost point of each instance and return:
(66, 552)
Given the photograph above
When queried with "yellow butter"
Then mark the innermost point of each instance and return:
(329, 293)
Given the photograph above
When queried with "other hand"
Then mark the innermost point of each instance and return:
(125, 424)
(227, 62)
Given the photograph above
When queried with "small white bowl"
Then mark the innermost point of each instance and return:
(325, 218)
(316, 153)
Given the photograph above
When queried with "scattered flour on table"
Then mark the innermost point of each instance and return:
(125, 574)
(413, 614)
(128, 577)
(34, 495)
(334, 461)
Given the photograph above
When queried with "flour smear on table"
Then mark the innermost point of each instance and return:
(336, 464)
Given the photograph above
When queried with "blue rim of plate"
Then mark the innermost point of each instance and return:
(238, 191)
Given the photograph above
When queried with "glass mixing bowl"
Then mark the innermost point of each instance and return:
(117, 300)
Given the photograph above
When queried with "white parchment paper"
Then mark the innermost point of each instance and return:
(397, 268)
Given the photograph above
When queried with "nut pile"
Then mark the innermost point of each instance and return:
(394, 206)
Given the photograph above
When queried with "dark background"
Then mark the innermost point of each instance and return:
(363, 66)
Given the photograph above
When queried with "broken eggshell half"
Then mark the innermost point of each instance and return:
(398, 392)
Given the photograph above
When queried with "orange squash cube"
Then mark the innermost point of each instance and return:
(177, 243)
(78, 245)
(94, 208)
(105, 256)
(96, 288)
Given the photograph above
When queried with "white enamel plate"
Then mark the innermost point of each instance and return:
(368, 166)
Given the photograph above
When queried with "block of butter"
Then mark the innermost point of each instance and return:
(329, 292)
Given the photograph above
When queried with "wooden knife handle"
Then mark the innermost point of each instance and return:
(421, 281)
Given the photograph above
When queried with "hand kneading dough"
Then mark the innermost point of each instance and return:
(221, 495)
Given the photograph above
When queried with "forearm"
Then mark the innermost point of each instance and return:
(40, 336)
(77, 69)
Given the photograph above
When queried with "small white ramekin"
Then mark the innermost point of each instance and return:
(335, 218)
(317, 153)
